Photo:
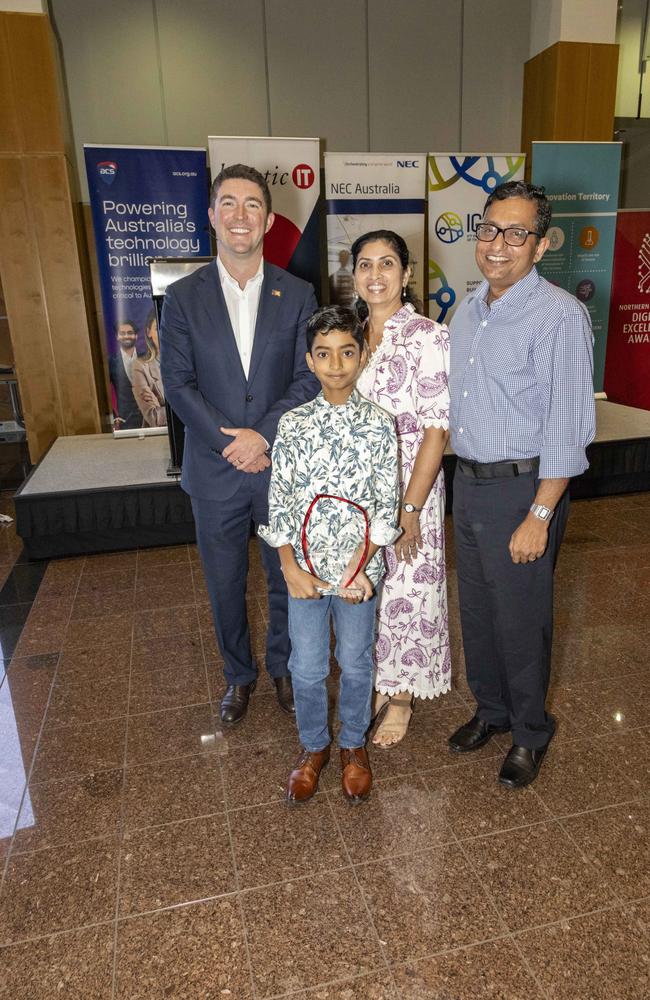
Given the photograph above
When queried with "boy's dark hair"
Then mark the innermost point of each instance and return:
(239, 171)
(329, 318)
(530, 192)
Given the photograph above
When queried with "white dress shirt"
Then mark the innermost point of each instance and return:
(242, 305)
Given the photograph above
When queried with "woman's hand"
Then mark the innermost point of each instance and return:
(408, 543)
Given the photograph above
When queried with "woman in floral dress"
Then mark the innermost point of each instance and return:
(407, 375)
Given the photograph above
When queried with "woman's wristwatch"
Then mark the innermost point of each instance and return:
(410, 508)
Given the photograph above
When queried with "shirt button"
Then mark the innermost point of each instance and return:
(471, 361)
(249, 398)
(484, 323)
(460, 430)
(465, 393)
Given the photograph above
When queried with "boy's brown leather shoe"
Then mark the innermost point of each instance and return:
(357, 776)
(303, 780)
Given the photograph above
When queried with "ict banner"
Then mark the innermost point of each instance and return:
(292, 171)
(146, 202)
(458, 186)
(368, 191)
(627, 369)
(581, 181)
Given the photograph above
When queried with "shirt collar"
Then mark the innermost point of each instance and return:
(226, 277)
(403, 313)
(514, 297)
(352, 400)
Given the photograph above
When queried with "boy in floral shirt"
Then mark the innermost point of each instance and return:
(341, 445)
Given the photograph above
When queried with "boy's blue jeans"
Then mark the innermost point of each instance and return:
(309, 631)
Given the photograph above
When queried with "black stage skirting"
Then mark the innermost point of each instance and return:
(101, 520)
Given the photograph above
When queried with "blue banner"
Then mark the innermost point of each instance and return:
(146, 202)
(581, 181)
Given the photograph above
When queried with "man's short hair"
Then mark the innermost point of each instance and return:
(530, 192)
(125, 322)
(239, 171)
(329, 318)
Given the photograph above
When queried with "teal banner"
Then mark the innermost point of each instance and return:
(581, 181)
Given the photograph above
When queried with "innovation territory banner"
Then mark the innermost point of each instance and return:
(292, 170)
(627, 370)
(458, 185)
(581, 181)
(146, 202)
(367, 191)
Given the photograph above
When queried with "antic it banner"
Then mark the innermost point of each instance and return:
(627, 367)
(146, 201)
(368, 191)
(581, 181)
(458, 186)
(292, 171)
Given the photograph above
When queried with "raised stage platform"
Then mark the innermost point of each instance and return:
(95, 493)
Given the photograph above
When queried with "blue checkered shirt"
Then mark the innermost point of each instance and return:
(521, 378)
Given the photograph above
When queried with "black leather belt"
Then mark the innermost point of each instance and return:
(492, 470)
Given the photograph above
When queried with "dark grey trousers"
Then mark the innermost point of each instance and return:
(506, 609)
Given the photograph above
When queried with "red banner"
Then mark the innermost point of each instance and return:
(627, 367)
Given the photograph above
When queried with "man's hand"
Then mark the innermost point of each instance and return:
(529, 540)
(246, 450)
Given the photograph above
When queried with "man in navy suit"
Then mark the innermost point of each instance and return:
(233, 361)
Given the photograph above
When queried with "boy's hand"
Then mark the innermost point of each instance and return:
(359, 590)
(301, 584)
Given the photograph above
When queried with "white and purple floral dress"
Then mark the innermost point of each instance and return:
(407, 376)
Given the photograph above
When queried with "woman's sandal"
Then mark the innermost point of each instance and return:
(385, 727)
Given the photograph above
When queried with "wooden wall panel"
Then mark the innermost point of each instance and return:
(35, 82)
(9, 133)
(27, 310)
(572, 83)
(600, 106)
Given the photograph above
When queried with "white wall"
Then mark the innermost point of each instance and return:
(413, 75)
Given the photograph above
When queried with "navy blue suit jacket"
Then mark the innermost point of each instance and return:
(204, 380)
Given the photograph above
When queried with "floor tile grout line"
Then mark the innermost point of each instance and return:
(588, 861)
(382, 950)
(59, 932)
(121, 823)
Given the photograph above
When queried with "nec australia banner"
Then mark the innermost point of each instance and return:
(292, 171)
(581, 181)
(368, 191)
(458, 186)
(627, 369)
(146, 202)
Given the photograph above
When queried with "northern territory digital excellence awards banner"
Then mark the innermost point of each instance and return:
(627, 368)
(368, 191)
(458, 185)
(146, 202)
(292, 171)
(581, 181)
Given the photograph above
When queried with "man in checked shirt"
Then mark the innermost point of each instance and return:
(522, 414)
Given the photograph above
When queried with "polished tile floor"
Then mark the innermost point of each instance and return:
(146, 853)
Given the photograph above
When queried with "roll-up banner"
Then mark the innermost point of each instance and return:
(369, 191)
(581, 181)
(146, 201)
(292, 171)
(458, 185)
(627, 368)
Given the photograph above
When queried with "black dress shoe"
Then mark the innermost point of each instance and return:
(284, 692)
(473, 735)
(521, 766)
(234, 703)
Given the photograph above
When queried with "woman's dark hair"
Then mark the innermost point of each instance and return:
(329, 318)
(396, 243)
(152, 350)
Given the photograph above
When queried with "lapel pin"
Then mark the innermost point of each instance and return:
(276, 292)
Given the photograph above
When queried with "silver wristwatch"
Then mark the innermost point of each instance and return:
(410, 508)
(542, 512)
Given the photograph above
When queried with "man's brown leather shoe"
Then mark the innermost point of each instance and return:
(303, 780)
(357, 776)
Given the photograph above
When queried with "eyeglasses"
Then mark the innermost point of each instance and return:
(486, 232)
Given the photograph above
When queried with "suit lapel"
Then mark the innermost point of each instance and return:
(267, 314)
(215, 306)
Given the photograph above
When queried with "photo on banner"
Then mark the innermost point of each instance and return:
(292, 171)
(581, 181)
(627, 366)
(369, 191)
(146, 201)
(458, 186)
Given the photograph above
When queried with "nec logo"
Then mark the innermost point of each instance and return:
(107, 171)
(408, 163)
